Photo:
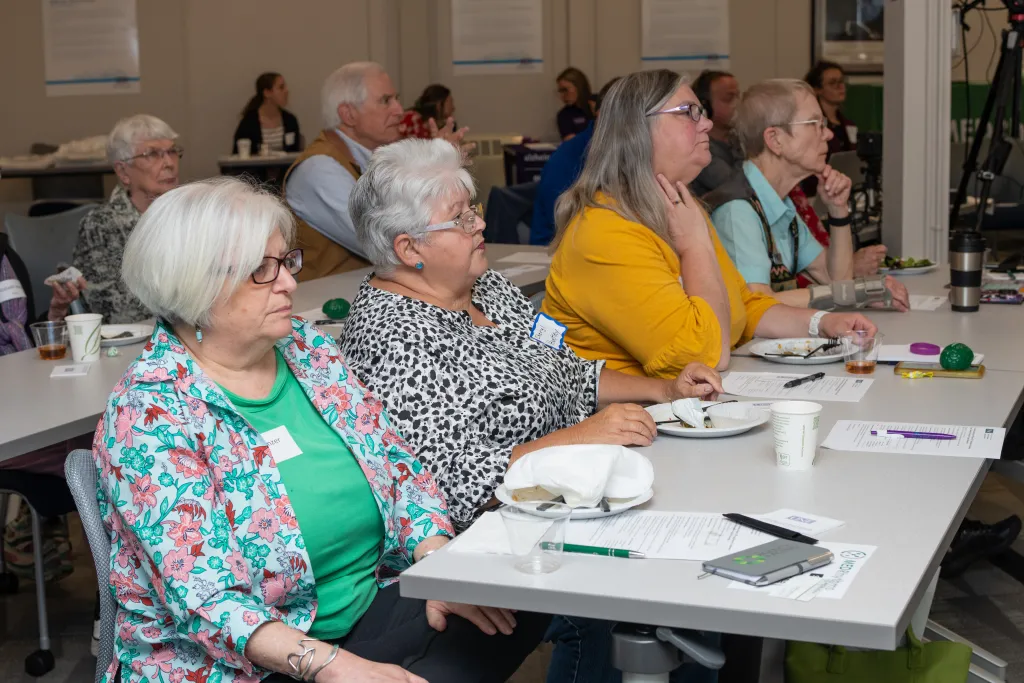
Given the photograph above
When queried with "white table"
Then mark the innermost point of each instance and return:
(995, 329)
(233, 161)
(909, 507)
(45, 411)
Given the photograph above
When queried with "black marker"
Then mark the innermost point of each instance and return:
(803, 380)
(770, 529)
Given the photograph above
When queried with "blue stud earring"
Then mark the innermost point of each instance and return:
(419, 265)
(199, 334)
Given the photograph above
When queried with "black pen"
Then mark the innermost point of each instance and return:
(770, 529)
(803, 380)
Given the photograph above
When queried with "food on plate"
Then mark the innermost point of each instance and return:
(908, 262)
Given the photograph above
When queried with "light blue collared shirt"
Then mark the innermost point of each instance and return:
(318, 191)
(739, 229)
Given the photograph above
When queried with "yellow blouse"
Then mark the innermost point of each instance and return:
(616, 286)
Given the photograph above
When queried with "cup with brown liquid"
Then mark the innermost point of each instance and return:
(51, 339)
(861, 351)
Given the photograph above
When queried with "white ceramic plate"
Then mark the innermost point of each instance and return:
(140, 333)
(616, 506)
(800, 346)
(736, 418)
(909, 271)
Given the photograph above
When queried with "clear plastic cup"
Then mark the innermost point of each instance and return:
(861, 351)
(51, 339)
(795, 428)
(536, 534)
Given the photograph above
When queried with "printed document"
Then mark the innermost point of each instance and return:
(971, 442)
(769, 385)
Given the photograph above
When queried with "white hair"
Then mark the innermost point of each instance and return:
(764, 105)
(132, 130)
(346, 85)
(197, 243)
(398, 192)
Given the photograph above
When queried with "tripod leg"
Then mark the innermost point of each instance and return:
(971, 162)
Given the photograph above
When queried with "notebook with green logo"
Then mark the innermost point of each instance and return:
(769, 563)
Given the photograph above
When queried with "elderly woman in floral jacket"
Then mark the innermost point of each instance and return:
(259, 502)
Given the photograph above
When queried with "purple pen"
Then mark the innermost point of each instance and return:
(935, 436)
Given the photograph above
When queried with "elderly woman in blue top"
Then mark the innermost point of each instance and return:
(785, 138)
(259, 502)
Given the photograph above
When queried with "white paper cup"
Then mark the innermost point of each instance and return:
(244, 148)
(84, 331)
(795, 427)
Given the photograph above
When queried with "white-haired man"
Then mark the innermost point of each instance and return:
(361, 112)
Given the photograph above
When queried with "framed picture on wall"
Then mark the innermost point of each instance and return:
(850, 33)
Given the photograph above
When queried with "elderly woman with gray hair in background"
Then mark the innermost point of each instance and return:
(785, 137)
(472, 376)
(259, 502)
(144, 153)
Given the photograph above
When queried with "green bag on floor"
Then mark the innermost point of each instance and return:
(915, 662)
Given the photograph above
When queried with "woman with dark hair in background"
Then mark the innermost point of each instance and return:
(265, 119)
(829, 82)
(576, 115)
(435, 102)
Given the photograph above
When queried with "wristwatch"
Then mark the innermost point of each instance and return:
(812, 327)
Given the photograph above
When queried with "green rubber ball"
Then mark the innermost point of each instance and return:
(956, 357)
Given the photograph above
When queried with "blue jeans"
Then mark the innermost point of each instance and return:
(583, 648)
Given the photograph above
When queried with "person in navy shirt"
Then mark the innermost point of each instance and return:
(560, 172)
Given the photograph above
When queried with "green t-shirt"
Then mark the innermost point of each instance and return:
(331, 499)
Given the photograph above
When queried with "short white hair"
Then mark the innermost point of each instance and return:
(132, 130)
(398, 192)
(764, 105)
(346, 85)
(197, 243)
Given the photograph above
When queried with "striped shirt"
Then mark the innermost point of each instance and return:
(273, 137)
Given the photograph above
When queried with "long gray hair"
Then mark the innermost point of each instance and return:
(620, 159)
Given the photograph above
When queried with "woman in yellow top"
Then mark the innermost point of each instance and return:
(638, 276)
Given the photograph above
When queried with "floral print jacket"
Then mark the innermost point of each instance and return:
(205, 546)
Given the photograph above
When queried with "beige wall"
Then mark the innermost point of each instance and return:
(199, 59)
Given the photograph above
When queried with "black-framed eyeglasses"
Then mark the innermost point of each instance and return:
(159, 154)
(270, 267)
(695, 111)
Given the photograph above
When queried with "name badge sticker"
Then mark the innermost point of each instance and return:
(11, 289)
(282, 445)
(548, 331)
(289, 138)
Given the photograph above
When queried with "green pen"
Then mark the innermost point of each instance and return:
(596, 550)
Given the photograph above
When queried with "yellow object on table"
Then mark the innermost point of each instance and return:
(916, 374)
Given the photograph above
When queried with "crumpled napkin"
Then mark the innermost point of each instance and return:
(583, 474)
(69, 274)
(686, 409)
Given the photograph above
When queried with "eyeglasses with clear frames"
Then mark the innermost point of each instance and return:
(695, 111)
(270, 267)
(465, 220)
(159, 154)
(818, 123)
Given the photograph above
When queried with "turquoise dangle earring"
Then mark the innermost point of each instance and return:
(199, 334)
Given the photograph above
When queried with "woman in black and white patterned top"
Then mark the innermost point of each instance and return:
(471, 376)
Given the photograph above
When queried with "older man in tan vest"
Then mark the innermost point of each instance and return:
(361, 112)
